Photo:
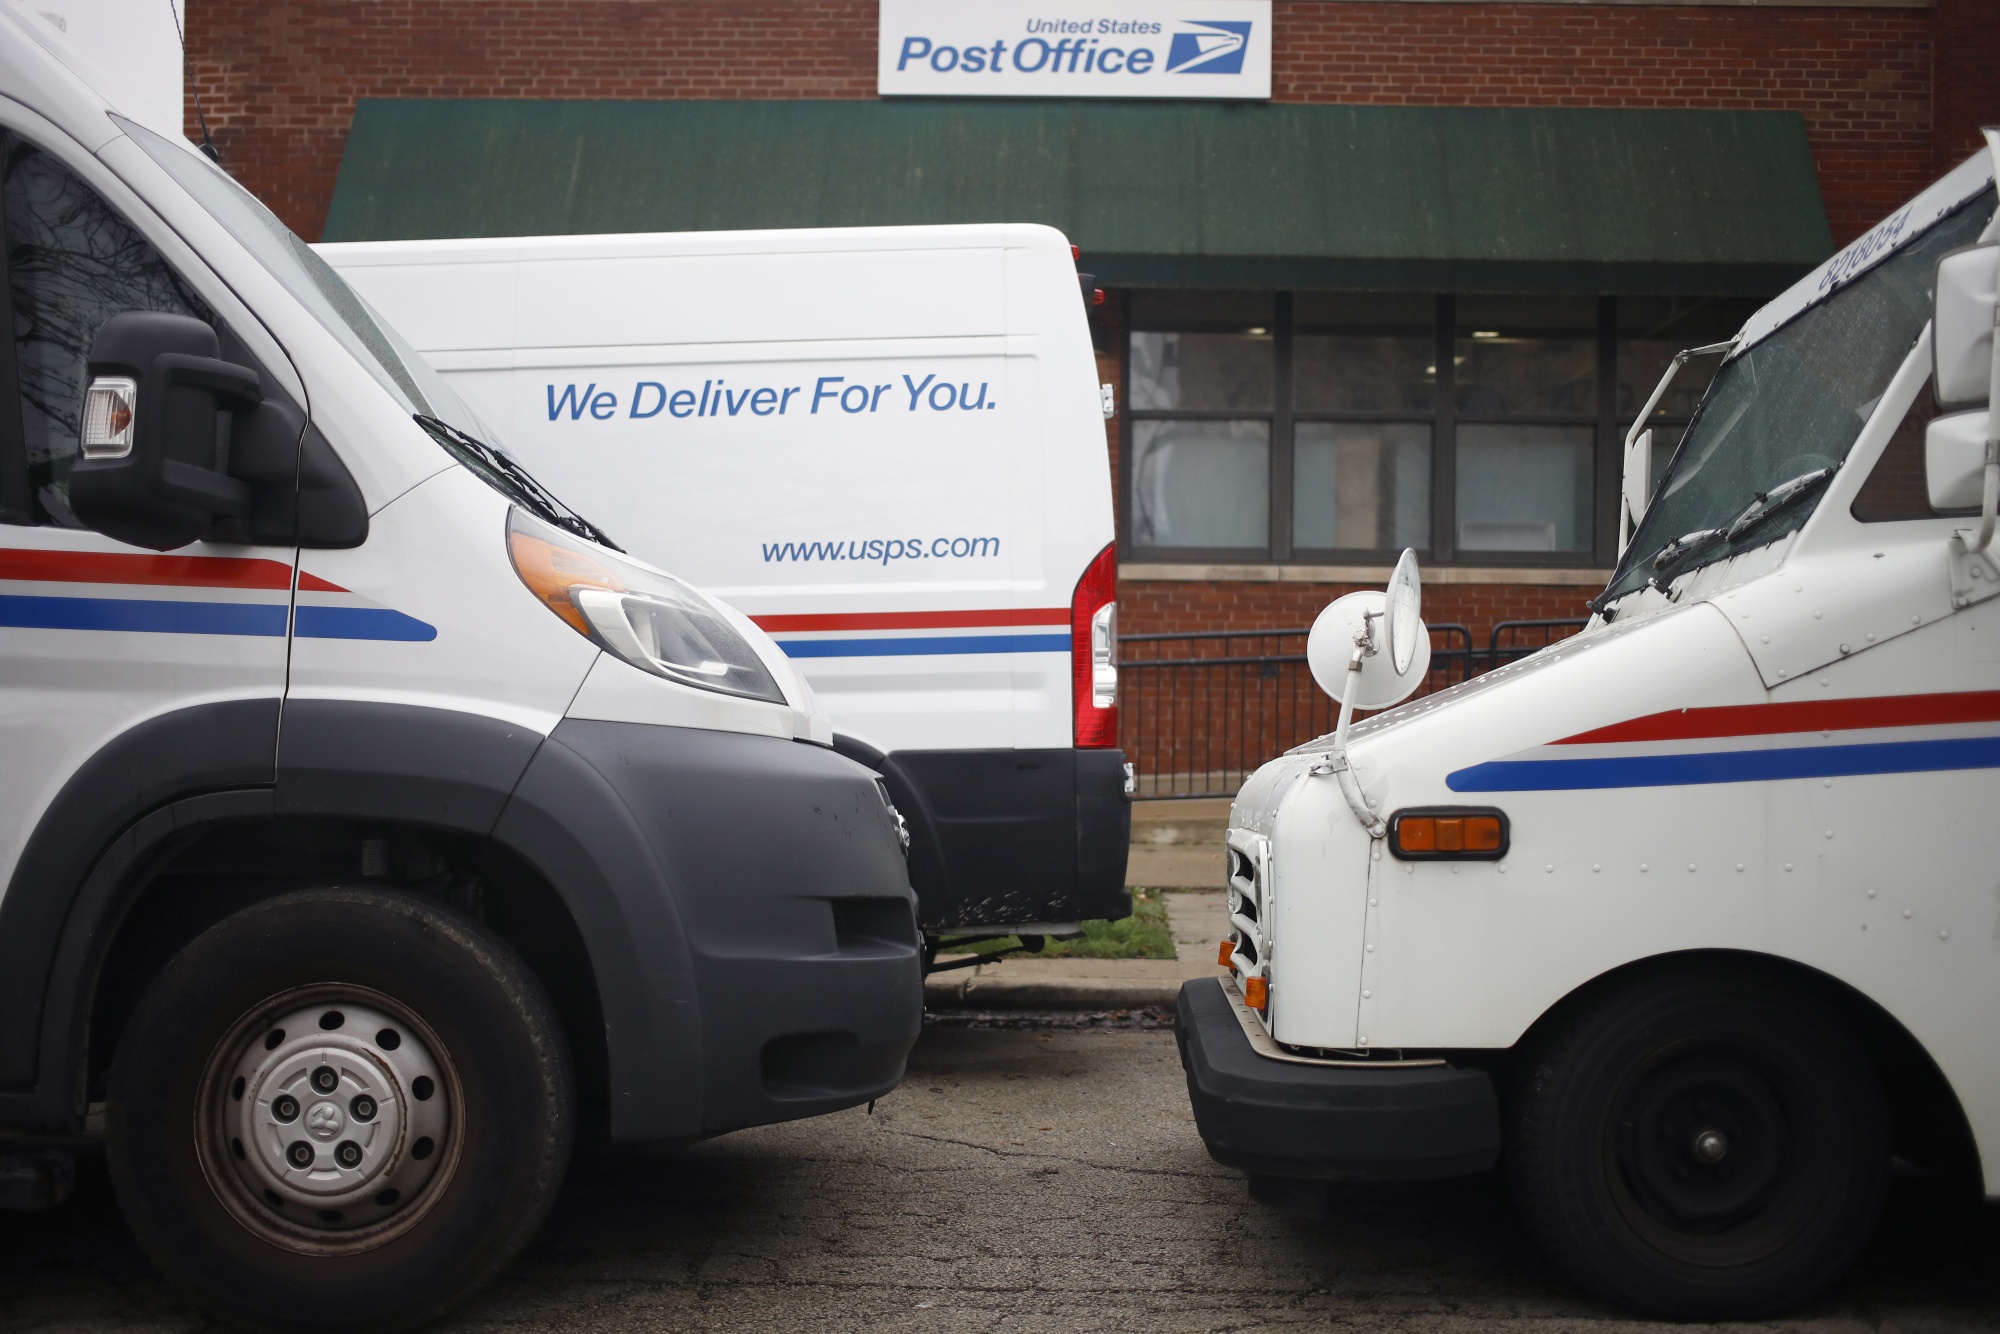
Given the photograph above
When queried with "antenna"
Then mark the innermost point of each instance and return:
(207, 144)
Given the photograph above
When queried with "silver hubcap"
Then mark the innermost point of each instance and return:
(332, 1116)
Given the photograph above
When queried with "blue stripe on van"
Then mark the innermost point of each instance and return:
(1728, 766)
(362, 623)
(157, 617)
(908, 647)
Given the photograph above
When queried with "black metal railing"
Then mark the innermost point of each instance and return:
(1200, 711)
(1517, 639)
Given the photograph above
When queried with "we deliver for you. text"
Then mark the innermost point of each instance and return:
(716, 398)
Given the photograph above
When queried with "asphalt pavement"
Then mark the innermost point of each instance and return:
(1027, 1178)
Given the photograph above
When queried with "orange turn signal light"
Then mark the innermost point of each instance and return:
(1223, 955)
(1256, 992)
(551, 570)
(1449, 833)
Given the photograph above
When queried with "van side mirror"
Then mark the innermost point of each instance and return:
(1637, 485)
(1955, 460)
(1965, 372)
(1962, 363)
(152, 444)
(177, 445)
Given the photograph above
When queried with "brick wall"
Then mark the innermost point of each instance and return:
(1859, 77)
(1149, 607)
(1967, 78)
(278, 80)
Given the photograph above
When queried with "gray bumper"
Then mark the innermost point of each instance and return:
(748, 915)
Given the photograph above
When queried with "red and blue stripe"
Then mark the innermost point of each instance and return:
(352, 617)
(1751, 743)
(889, 634)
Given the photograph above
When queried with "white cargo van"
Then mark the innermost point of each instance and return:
(364, 811)
(1690, 919)
(887, 446)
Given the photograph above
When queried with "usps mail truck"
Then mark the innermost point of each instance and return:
(887, 446)
(1689, 920)
(366, 815)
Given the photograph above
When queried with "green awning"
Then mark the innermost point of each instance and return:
(1157, 194)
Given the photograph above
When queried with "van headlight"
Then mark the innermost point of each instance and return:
(639, 615)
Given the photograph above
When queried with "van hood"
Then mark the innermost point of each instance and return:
(1486, 735)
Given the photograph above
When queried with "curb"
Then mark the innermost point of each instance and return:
(1080, 993)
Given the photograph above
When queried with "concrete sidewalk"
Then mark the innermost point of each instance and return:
(1023, 982)
(1178, 844)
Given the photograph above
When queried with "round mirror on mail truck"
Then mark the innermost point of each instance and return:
(1359, 621)
(1406, 614)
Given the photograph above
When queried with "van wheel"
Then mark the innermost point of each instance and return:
(1699, 1146)
(339, 1109)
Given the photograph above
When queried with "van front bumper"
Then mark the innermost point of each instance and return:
(1324, 1122)
(748, 917)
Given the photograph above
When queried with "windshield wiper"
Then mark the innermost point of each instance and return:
(1777, 500)
(1765, 505)
(530, 492)
(1684, 546)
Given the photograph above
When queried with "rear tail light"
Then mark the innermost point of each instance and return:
(1093, 652)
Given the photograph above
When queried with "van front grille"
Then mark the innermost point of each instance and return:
(1249, 905)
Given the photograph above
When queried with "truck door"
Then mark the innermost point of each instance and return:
(128, 677)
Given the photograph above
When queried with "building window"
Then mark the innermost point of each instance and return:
(1327, 427)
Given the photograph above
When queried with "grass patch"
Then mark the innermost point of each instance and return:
(1143, 935)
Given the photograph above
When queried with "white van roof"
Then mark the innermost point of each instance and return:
(655, 289)
(767, 241)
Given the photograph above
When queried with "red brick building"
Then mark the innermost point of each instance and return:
(1461, 411)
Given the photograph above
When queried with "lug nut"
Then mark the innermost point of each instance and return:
(285, 1107)
(362, 1107)
(300, 1155)
(347, 1153)
(325, 1080)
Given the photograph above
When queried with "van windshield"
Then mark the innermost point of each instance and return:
(373, 342)
(1779, 418)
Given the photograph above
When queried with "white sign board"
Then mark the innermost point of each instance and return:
(1063, 48)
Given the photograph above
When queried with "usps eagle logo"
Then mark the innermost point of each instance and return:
(1209, 48)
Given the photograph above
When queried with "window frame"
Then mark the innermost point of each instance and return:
(1283, 418)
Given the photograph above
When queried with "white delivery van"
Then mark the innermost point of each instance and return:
(1689, 919)
(884, 444)
(365, 813)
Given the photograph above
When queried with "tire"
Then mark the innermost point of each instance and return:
(339, 1109)
(1703, 1144)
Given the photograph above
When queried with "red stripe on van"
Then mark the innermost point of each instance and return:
(915, 620)
(1830, 715)
(117, 567)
